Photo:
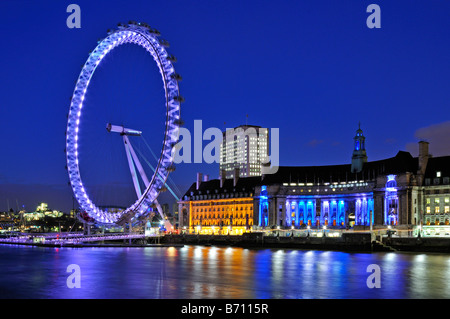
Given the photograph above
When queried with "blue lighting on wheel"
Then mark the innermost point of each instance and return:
(144, 37)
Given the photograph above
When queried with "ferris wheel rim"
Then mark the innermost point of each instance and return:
(145, 37)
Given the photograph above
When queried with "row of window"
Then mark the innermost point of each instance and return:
(437, 181)
(222, 216)
(326, 189)
(437, 222)
(197, 210)
(223, 223)
(437, 210)
(248, 202)
(437, 200)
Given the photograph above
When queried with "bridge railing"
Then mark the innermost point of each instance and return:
(72, 239)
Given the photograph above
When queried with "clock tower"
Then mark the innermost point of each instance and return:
(359, 156)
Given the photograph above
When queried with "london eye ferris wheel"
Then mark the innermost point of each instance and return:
(146, 37)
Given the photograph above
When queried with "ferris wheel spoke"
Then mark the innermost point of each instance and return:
(128, 149)
(160, 177)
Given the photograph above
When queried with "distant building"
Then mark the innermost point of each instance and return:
(41, 211)
(175, 209)
(401, 190)
(165, 209)
(245, 147)
(73, 213)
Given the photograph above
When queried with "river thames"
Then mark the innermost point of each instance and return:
(198, 272)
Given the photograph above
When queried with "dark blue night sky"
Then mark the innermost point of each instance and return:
(311, 68)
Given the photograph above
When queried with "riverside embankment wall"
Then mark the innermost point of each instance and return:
(348, 242)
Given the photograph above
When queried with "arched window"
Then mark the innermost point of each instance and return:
(391, 182)
(391, 201)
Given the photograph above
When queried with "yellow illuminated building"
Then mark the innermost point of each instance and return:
(232, 216)
(218, 207)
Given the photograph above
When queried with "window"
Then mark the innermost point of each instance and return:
(428, 210)
(436, 210)
(438, 174)
(428, 201)
(436, 200)
(447, 209)
(447, 199)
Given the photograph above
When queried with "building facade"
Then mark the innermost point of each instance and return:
(435, 192)
(245, 147)
(223, 206)
(399, 191)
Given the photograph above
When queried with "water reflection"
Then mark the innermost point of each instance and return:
(218, 272)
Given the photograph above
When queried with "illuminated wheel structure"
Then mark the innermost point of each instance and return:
(146, 37)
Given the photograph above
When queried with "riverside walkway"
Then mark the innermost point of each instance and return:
(56, 239)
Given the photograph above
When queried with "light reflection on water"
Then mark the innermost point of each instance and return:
(218, 272)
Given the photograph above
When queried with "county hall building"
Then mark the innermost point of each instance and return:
(402, 191)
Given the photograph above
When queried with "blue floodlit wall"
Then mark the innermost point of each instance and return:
(302, 210)
(391, 201)
(363, 208)
(263, 207)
